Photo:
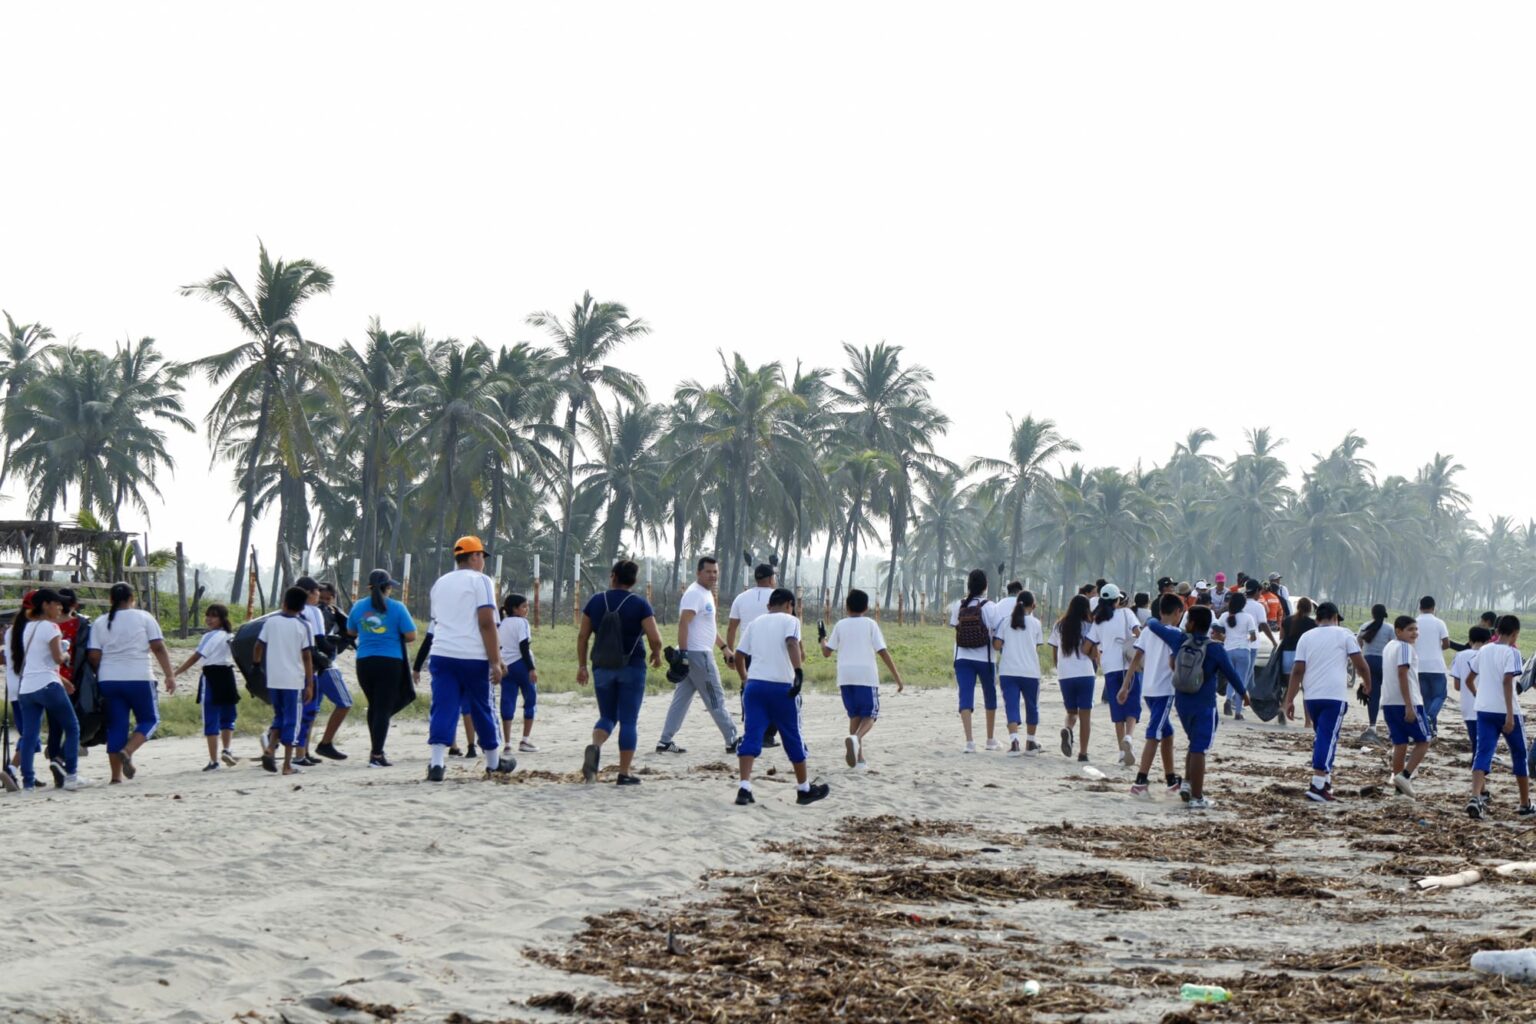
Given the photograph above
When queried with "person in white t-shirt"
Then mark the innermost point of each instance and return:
(216, 689)
(748, 606)
(283, 650)
(465, 661)
(1321, 669)
(973, 658)
(120, 648)
(858, 641)
(1434, 640)
(34, 653)
(1498, 716)
(772, 694)
(1017, 637)
(515, 639)
(1075, 643)
(1154, 661)
(1464, 672)
(698, 636)
(1402, 705)
(1118, 629)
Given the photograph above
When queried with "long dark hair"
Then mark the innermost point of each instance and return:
(32, 610)
(119, 595)
(376, 598)
(975, 584)
(1235, 604)
(221, 612)
(1105, 610)
(1378, 619)
(512, 603)
(1071, 626)
(1021, 607)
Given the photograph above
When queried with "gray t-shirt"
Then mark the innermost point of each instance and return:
(1373, 647)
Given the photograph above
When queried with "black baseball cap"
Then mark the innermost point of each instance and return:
(381, 578)
(1166, 581)
(764, 572)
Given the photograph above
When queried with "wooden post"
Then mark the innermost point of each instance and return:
(197, 592)
(498, 582)
(575, 590)
(901, 608)
(648, 598)
(357, 571)
(537, 583)
(181, 587)
(250, 596)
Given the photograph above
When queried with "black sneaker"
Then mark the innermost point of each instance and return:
(628, 780)
(730, 748)
(229, 758)
(1066, 742)
(744, 797)
(669, 747)
(57, 768)
(818, 791)
(129, 771)
(378, 761)
(436, 772)
(506, 766)
(1321, 794)
(211, 766)
(771, 741)
(590, 759)
(455, 752)
(329, 750)
(1475, 808)
(307, 762)
(1083, 758)
(269, 763)
(470, 751)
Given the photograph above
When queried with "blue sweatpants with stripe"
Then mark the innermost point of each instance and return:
(1327, 719)
(461, 682)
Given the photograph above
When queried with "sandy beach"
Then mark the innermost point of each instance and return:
(359, 895)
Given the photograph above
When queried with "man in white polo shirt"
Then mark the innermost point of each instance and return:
(698, 636)
(466, 659)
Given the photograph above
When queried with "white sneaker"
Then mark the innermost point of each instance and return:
(1404, 785)
(1203, 803)
(74, 782)
(863, 766)
(992, 744)
(1126, 756)
(1014, 749)
(970, 748)
(851, 751)
(524, 747)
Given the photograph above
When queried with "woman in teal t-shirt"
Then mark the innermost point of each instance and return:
(383, 626)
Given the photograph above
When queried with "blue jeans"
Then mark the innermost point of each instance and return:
(55, 702)
(1432, 689)
(1242, 664)
(619, 694)
(1373, 662)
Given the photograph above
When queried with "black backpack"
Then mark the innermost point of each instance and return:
(608, 646)
(1189, 664)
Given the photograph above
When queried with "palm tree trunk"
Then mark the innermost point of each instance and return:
(565, 498)
(248, 500)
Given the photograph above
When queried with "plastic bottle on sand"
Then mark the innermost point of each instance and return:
(1204, 993)
(1514, 964)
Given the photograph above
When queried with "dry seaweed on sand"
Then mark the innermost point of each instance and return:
(880, 839)
(381, 1011)
(1433, 952)
(1205, 840)
(1286, 999)
(1264, 884)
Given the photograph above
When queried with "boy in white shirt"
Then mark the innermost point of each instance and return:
(1498, 714)
(1464, 672)
(857, 640)
(1154, 660)
(1402, 705)
(772, 695)
(283, 650)
(1323, 657)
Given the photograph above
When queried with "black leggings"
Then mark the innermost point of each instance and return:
(380, 678)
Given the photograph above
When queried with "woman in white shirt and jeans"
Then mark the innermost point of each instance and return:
(35, 652)
(120, 648)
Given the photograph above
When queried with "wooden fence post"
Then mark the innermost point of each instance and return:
(181, 587)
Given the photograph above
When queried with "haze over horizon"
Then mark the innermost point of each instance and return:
(1134, 220)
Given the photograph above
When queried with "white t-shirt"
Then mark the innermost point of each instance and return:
(1156, 671)
(766, 642)
(1073, 664)
(1494, 662)
(1429, 646)
(1116, 634)
(1463, 665)
(973, 653)
(510, 634)
(456, 600)
(1326, 650)
(748, 606)
(1020, 655)
(287, 638)
(38, 669)
(1393, 656)
(316, 619)
(124, 645)
(213, 648)
(1143, 615)
(997, 614)
(856, 639)
(12, 680)
(1240, 637)
(702, 629)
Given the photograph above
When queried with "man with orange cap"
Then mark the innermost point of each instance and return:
(466, 659)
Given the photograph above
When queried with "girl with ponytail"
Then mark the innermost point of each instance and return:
(1018, 670)
(34, 652)
(382, 626)
(217, 691)
(120, 651)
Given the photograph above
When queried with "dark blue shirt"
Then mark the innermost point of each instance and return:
(632, 610)
(1216, 661)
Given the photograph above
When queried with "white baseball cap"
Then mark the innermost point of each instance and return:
(1109, 592)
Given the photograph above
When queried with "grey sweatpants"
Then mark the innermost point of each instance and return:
(703, 679)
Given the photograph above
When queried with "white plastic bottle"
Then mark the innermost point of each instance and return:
(1514, 964)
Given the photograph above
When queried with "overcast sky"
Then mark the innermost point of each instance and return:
(1314, 217)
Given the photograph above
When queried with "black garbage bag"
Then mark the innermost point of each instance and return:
(1267, 694)
(241, 649)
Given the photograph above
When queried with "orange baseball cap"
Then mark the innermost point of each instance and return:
(467, 546)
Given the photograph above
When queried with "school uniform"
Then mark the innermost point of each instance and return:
(329, 682)
(1117, 634)
(974, 664)
(1494, 662)
(461, 672)
(858, 641)
(1157, 682)
(1462, 666)
(767, 696)
(1197, 711)
(1394, 656)
(1018, 667)
(1326, 652)
(216, 689)
(1074, 669)
(515, 639)
(124, 674)
(285, 639)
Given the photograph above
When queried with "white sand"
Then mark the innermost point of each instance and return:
(187, 896)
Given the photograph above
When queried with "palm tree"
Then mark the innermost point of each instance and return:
(374, 387)
(592, 332)
(1034, 445)
(625, 471)
(24, 354)
(269, 370)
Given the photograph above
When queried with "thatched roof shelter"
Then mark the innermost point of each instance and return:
(24, 536)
